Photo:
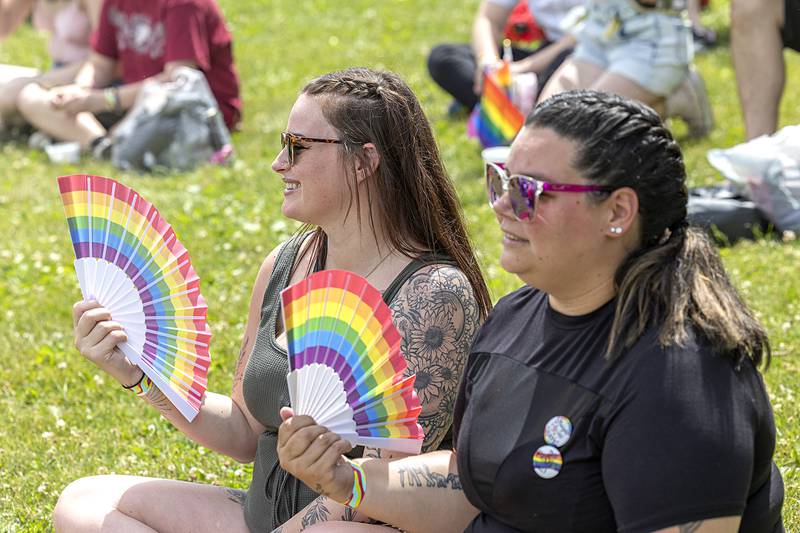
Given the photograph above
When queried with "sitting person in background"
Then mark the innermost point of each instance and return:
(760, 30)
(458, 68)
(142, 39)
(69, 24)
(635, 50)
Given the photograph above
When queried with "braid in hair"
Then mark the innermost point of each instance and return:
(675, 280)
(409, 191)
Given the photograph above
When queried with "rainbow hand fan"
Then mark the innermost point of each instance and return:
(129, 260)
(346, 368)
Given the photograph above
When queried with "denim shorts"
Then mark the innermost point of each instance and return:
(651, 48)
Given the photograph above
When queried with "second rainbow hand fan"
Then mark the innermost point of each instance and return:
(346, 368)
(129, 260)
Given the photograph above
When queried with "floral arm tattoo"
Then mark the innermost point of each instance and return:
(437, 316)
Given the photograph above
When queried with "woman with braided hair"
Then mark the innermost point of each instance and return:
(618, 390)
(360, 168)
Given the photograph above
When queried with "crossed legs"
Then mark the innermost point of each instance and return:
(34, 103)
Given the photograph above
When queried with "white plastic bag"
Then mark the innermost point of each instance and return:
(767, 170)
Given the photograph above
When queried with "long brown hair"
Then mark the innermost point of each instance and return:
(675, 280)
(410, 191)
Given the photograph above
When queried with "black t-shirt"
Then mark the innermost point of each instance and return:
(552, 437)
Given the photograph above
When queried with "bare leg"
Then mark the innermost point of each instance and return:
(34, 104)
(572, 74)
(13, 79)
(129, 503)
(622, 86)
(12, 72)
(9, 91)
(757, 51)
(694, 12)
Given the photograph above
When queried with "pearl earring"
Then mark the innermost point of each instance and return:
(616, 230)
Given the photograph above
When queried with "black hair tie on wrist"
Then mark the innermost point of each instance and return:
(129, 387)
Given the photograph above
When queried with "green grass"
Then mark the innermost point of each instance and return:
(61, 419)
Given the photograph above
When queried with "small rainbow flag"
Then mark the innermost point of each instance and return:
(495, 121)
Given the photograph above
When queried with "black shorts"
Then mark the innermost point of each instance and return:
(791, 24)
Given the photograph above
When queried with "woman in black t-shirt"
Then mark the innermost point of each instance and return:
(619, 389)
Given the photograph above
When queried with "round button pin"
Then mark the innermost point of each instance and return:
(557, 431)
(547, 462)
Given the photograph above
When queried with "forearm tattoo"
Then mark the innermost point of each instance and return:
(437, 316)
(159, 400)
(421, 476)
(373, 453)
(316, 513)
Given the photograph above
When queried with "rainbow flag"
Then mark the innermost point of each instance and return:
(495, 121)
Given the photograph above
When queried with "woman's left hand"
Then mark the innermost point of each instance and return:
(313, 454)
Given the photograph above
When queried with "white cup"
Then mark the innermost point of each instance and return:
(496, 155)
(69, 152)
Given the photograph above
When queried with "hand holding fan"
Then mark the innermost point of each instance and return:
(346, 368)
(129, 260)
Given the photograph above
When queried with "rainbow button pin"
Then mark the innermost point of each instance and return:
(547, 461)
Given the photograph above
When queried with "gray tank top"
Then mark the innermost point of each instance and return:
(274, 495)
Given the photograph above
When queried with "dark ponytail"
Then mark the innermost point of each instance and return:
(675, 280)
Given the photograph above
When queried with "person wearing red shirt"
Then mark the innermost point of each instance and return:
(137, 40)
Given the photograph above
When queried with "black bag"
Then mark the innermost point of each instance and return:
(727, 215)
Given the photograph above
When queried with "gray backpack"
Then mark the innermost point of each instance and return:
(174, 125)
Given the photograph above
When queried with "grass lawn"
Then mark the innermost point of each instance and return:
(60, 419)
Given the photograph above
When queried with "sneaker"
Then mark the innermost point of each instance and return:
(704, 38)
(689, 102)
(38, 140)
(101, 148)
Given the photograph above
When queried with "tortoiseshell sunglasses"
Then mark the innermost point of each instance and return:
(293, 142)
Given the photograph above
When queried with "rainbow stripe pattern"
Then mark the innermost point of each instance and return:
(346, 367)
(129, 259)
(495, 121)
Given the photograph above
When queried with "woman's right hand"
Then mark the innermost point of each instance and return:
(97, 337)
(313, 455)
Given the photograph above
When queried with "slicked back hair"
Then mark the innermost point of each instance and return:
(675, 280)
